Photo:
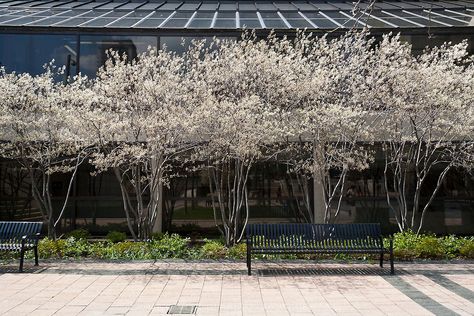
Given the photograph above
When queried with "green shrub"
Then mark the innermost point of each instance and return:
(76, 247)
(115, 236)
(170, 246)
(128, 250)
(48, 248)
(430, 247)
(467, 249)
(80, 233)
(157, 236)
(213, 249)
(238, 251)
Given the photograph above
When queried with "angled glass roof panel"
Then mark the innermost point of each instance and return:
(189, 6)
(100, 22)
(250, 23)
(47, 22)
(248, 15)
(285, 6)
(160, 15)
(47, 4)
(130, 6)
(150, 6)
(110, 5)
(125, 22)
(175, 23)
(200, 23)
(319, 20)
(265, 6)
(225, 24)
(209, 6)
(422, 20)
(299, 23)
(459, 14)
(303, 6)
(231, 6)
(90, 5)
(225, 20)
(169, 6)
(392, 19)
(343, 5)
(70, 5)
(243, 6)
(323, 6)
(275, 24)
(405, 5)
(385, 6)
(204, 15)
(115, 14)
(149, 23)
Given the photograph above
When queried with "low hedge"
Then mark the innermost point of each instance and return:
(407, 246)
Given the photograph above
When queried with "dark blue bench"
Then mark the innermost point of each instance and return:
(20, 236)
(316, 238)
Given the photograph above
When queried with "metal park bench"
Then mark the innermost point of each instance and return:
(20, 236)
(316, 238)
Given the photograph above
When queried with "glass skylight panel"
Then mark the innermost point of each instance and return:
(130, 6)
(179, 20)
(150, 6)
(200, 23)
(250, 23)
(324, 6)
(100, 22)
(303, 6)
(79, 20)
(419, 19)
(343, 5)
(319, 20)
(273, 21)
(264, 6)
(169, 6)
(149, 23)
(247, 6)
(228, 6)
(209, 6)
(300, 24)
(189, 6)
(202, 20)
(285, 6)
(70, 5)
(110, 5)
(225, 20)
(125, 22)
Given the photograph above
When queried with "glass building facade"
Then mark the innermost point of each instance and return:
(77, 35)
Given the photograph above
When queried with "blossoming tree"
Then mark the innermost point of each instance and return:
(146, 103)
(37, 131)
(428, 124)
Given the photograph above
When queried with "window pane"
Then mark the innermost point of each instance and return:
(28, 53)
(93, 49)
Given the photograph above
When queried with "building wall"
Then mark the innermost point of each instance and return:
(274, 195)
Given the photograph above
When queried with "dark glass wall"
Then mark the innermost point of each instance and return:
(94, 48)
(29, 53)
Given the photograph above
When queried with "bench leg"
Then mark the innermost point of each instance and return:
(36, 255)
(392, 269)
(381, 259)
(22, 258)
(249, 262)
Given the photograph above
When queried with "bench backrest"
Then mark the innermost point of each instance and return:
(14, 231)
(314, 235)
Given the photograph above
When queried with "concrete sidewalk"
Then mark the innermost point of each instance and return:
(223, 288)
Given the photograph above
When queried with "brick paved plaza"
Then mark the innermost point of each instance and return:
(223, 288)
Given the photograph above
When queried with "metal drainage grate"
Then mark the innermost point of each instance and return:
(181, 309)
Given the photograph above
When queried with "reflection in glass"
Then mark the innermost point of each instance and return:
(29, 53)
(94, 49)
